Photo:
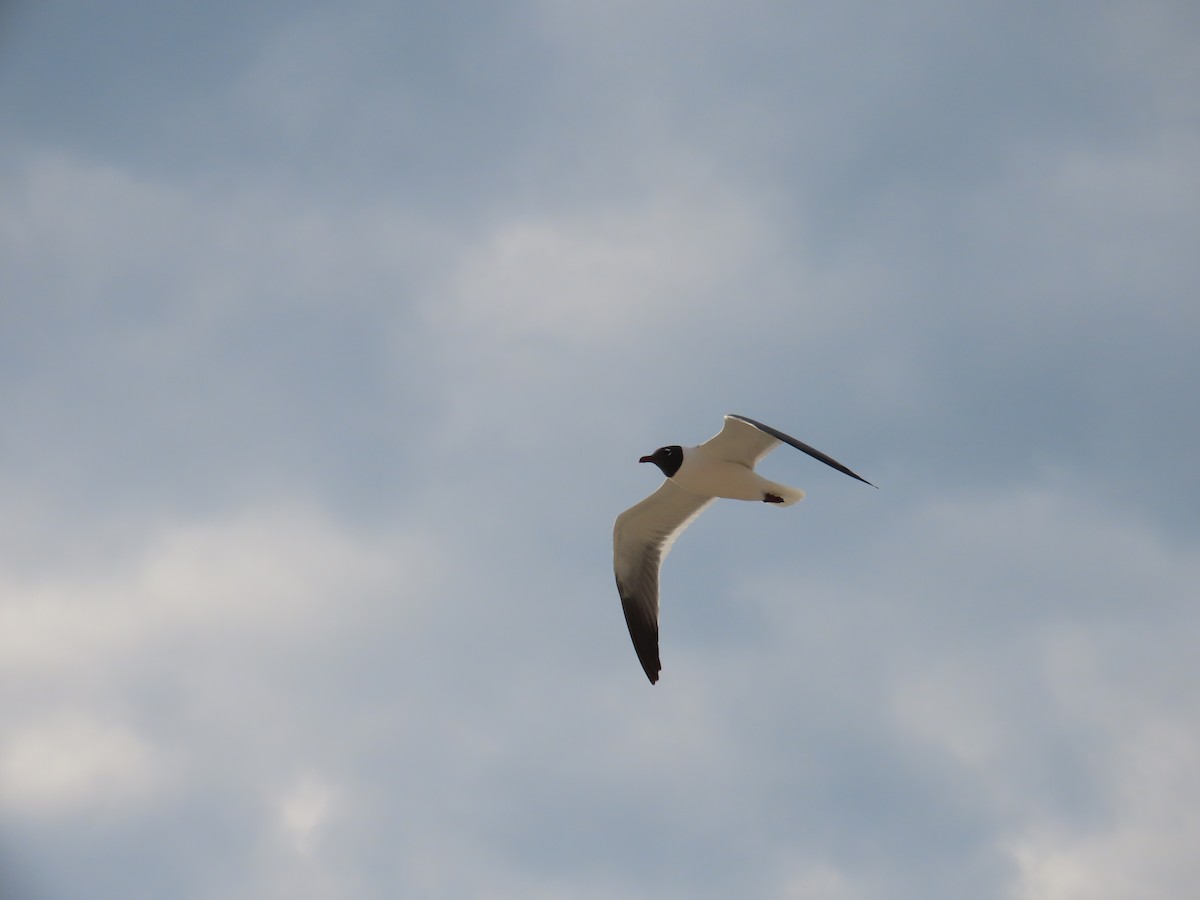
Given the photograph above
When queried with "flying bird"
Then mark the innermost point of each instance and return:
(723, 466)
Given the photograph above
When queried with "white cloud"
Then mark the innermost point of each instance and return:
(70, 763)
(275, 573)
(304, 811)
(1076, 710)
(603, 276)
(1144, 843)
(1136, 697)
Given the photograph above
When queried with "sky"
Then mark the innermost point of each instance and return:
(330, 336)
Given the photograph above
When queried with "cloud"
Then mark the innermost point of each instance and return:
(166, 677)
(69, 763)
(325, 377)
(603, 278)
(183, 336)
(1144, 756)
(272, 573)
(304, 810)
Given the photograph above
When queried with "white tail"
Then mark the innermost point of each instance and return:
(790, 495)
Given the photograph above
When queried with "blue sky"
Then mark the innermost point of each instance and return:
(329, 340)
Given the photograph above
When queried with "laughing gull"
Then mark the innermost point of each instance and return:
(723, 466)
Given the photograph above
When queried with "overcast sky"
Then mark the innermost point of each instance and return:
(331, 334)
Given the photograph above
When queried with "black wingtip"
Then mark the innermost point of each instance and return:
(651, 665)
(644, 635)
(800, 445)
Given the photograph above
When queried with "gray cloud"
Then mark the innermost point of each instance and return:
(328, 345)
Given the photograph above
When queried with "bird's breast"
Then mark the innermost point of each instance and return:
(718, 478)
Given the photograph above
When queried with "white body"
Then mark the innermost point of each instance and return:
(709, 475)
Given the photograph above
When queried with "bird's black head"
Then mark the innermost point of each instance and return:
(669, 459)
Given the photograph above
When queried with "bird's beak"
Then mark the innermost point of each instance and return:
(646, 459)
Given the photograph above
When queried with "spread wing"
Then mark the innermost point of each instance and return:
(642, 536)
(746, 441)
(741, 441)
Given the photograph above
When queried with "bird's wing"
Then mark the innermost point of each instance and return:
(642, 536)
(741, 441)
(747, 441)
